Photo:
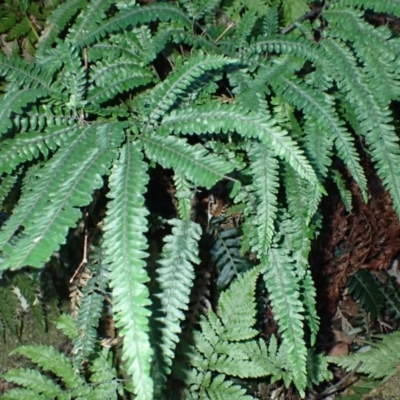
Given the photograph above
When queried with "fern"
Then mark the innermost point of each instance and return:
(90, 309)
(39, 386)
(176, 277)
(214, 347)
(364, 288)
(119, 92)
(379, 362)
(125, 249)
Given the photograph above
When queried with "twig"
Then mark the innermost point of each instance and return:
(84, 261)
(337, 386)
(311, 14)
(232, 24)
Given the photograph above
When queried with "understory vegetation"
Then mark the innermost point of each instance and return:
(203, 196)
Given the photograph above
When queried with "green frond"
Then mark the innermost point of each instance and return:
(19, 73)
(213, 118)
(271, 22)
(52, 206)
(215, 346)
(265, 169)
(9, 306)
(243, 29)
(303, 197)
(217, 388)
(49, 359)
(317, 368)
(6, 184)
(379, 65)
(175, 278)
(345, 193)
(91, 306)
(44, 116)
(184, 195)
(13, 103)
(383, 6)
(380, 361)
(89, 19)
(193, 162)
(28, 288)
(125, 244)
(112, 78)
(28, 146)
(288, 45)
(57, 22)
(319, 106)
(374, 119)
(391, 296)
(131, 16)
(18, 394)
(200, 8)
(363, 287)
(318, 148)
(74, 75)
(284, 293)
(66, 324)
(104, 377)
(35, 381)
(308, 297)
(225, 253)
(164, 96)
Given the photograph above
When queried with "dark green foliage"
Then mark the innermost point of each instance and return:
(119, 88)
(363, 287)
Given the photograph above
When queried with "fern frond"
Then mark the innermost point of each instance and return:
(184, 195)
(193, 162)
(6, 184)
(284, 289)
(317, 368)
(380, 65)
(223, 118)
(125, 244)
(47, 227)
(391, 296)
(57, 22)
(49, 359)
(265, 186)
(308, 297)
(131, 16)
(28, 146)
(175, 278)
(243, 29)
(225, 253)
(164, 96)
(89, 19)
(66, 324)
(112, 78)
(74, 76)
(380, 361)
(9, 306)
(374, 119)
(318, 147)
(319, 106)
(90, 308)
(363, 287)
(34, 381)
(104, 377)
(215, 346)
(18, 394)
(13, 103)
(345, 193)
(384, 6)
(29, 76)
